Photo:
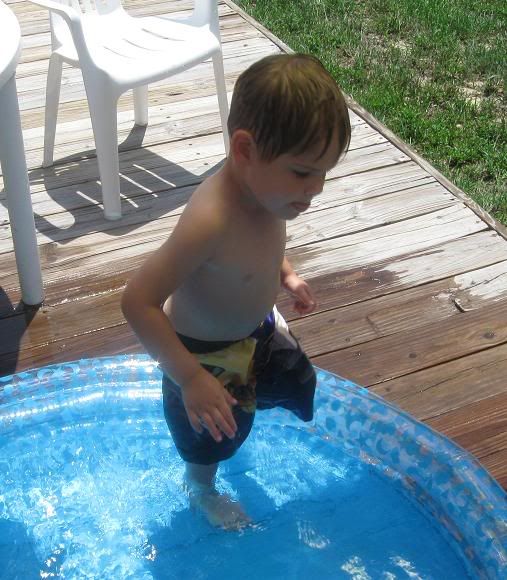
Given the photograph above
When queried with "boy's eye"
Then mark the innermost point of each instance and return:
(301, 174)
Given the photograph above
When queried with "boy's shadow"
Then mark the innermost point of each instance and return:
(17, 554)
(188, 544)
(151, 186)
(14, 321)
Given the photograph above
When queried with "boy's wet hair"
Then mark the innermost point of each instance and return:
(290, 104)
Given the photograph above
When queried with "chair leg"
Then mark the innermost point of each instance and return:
(53, 84)
(223, 104)
(141, 105)
(105, 131)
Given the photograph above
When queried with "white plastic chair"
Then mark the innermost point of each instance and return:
(117, 52)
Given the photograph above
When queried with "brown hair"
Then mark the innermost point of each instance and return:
(289, 103)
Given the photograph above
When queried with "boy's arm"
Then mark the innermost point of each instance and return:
(304, 300)
(190, 245)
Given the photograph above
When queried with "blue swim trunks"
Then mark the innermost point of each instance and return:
(268, 369)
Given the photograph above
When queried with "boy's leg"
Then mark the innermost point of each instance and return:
(201, 475)
(195, 448)
(219, 509)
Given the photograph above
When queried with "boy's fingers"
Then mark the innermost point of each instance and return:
(308, 297)
(230, 399)
(230, 417)
(304, 307)
(309, 302)
(194, 421)
(210, 425)
(226, 422)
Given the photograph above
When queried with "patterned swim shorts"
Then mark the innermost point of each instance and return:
(265, 370)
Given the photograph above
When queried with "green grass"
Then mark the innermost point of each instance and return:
(433, 71)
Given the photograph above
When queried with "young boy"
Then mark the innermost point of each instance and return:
(203, 304)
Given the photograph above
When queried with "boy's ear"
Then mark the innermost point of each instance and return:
(243, 146)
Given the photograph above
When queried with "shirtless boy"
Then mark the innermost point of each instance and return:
(203, 304)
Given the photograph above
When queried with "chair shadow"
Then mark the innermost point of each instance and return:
(14, 321)
(152, 186)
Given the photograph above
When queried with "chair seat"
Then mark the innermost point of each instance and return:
(134, 51)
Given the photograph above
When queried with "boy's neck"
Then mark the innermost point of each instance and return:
(236, 186)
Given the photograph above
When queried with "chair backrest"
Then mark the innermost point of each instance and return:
(60, 33)
(205, 12)
(100, 6)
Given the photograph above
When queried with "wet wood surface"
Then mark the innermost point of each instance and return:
(410, 276)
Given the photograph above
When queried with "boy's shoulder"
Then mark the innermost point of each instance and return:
(206, 213)
(212, 200)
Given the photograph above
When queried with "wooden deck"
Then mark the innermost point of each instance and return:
(411, 277)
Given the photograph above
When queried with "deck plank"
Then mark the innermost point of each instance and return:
(434, 392)
(480, 427)
(404, 310)
(88, 196)
(405, 352)
(405, 238)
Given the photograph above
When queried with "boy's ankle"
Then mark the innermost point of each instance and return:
(196, 488)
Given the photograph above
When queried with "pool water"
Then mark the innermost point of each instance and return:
(91, 488)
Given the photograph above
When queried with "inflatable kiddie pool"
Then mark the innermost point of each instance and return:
(90, 487)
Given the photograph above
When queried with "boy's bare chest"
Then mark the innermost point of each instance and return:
(232, 292)
(248, 256)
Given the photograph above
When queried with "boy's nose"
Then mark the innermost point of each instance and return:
(315, 186)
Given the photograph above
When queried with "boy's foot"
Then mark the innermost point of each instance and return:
(220, 510)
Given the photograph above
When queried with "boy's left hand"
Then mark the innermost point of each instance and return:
(304, 300)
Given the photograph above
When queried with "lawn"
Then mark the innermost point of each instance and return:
(433, 71)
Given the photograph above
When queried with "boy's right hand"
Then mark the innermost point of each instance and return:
(208, 404)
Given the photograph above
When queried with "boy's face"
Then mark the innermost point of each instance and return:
(286, 185)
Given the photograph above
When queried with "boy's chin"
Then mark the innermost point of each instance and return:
(286, 212)
(292, 212)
